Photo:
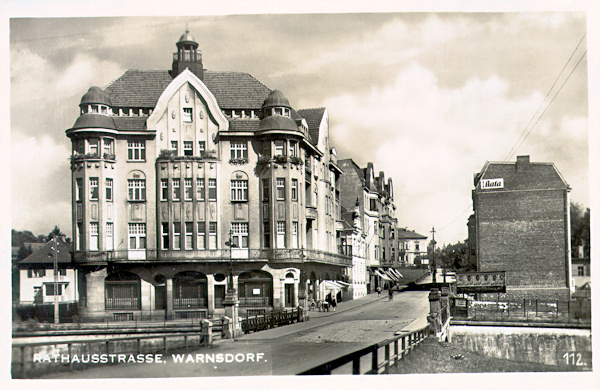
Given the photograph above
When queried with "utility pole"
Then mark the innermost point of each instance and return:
(433, 254)
(56, 304)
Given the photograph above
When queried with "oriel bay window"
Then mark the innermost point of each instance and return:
(239, 190)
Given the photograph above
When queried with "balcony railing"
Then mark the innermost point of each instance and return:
(218, 255)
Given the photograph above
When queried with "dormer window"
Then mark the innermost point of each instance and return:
(187, 114)
(282, 111)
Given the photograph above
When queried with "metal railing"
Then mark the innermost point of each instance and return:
(383, 355)
(271, 320)
(24, 352)
(217, 255)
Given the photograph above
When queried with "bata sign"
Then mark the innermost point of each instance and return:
(492, 183)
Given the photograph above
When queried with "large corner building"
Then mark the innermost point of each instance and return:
(186, 180)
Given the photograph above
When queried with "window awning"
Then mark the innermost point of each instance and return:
(383, 275)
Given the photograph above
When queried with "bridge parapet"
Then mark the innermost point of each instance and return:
(478, 282)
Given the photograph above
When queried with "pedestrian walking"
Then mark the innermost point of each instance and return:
(333, 303)
(390, 294)
(378, 291)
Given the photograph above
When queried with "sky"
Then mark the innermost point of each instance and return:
(427, 97)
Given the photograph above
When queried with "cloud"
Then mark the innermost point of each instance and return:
(40, 184)
(34, 78)
(430, 140)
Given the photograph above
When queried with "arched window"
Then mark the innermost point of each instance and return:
(189, 290)
(122, 291)
(136, 186)
(255, 288)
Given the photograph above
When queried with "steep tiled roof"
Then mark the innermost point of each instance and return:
(313, 117)
(236, 90)
(45, 255)
(243, 124)
(130, 123)
(138, 88)
(142, 88)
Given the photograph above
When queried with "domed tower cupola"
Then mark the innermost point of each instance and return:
(95, 101)
(187, 56)
(95, 110)
(276, 104)
(276, 113)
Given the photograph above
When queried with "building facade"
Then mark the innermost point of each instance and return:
(521, 227)
(372, 198)
(411, 246)
(188, 183)
(46, 273)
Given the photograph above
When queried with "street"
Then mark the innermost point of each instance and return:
(287, 350)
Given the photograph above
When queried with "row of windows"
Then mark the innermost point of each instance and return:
(188, 189)
(171, 236)
(136, 190)
(136, 150)
(40, 273)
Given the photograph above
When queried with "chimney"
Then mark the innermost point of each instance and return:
(522, 163)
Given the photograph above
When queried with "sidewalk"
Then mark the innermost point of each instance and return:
(317, 319)
(350, 304)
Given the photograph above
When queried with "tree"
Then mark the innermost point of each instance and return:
(24, 251)
(56, 232)
(580, 228)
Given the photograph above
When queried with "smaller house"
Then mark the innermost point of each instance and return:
(411, 245)
(37, 282)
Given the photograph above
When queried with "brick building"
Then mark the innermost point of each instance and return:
(521, 226)
(189, 182)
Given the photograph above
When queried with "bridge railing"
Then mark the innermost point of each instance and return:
(271, 320)
(374, 359)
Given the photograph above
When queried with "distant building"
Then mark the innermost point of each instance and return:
(410, 246)
(37, 282)
(521, 226)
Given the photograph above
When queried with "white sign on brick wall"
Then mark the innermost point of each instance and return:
(492, 183)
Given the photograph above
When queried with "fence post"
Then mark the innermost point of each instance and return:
(374, 363)
(356, 366)
(387, 358)
(395, 351)
(404, 346)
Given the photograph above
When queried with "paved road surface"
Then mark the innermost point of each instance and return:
(287, 350)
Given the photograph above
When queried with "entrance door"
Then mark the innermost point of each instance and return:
(289, 295)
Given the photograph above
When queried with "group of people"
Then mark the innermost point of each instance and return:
(329, 303)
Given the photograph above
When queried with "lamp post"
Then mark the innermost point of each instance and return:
(231, 302)
(55, 260)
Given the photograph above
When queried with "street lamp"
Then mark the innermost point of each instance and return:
(231, 245)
